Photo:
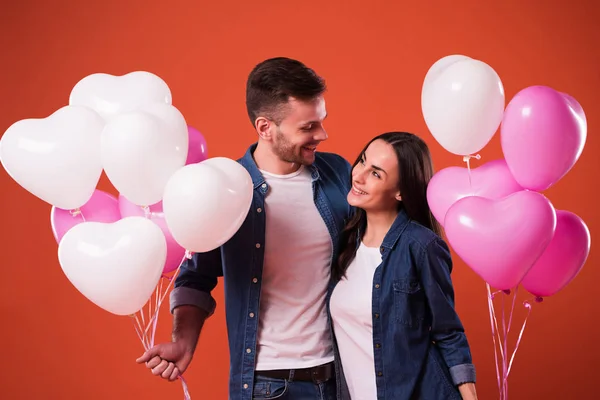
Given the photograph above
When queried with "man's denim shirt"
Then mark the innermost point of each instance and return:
(419, 344)
(240, 262)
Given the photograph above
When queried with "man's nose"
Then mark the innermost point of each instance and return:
(320, 135)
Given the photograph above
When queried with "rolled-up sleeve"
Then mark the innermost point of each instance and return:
(447, 330)
(196, 280)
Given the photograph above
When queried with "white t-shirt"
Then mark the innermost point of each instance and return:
(293, 331)
(351, 312)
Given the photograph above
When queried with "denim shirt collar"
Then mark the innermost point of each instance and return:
(258, 180)
(399, 225)
(391, 238)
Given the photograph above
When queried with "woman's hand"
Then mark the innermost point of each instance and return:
(467, 391)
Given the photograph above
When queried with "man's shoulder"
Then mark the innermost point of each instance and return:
(331, 159)
(334, 168)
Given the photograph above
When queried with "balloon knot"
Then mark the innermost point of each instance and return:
(468, 158)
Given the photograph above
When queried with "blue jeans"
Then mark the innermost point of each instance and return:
(282, 389)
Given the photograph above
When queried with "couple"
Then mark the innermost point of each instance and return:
(337, 285)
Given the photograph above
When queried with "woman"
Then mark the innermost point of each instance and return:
(398, 335)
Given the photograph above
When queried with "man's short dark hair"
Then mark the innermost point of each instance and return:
(272, 82)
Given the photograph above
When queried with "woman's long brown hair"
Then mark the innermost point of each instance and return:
(415, 172)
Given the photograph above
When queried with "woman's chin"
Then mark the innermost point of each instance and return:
(354, 200)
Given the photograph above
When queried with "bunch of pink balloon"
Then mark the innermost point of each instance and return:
(494, 216)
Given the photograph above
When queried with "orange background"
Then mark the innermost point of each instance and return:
(58, 345)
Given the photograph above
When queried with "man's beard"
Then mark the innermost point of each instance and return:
(286, 151)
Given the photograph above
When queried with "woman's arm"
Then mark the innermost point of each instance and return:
(435, 265)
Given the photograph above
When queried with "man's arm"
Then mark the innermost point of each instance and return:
(191, 304)
(191, 299)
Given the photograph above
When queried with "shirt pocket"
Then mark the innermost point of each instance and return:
(409, 302)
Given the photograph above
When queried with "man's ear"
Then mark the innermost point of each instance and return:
(398, 196)
(263, 128)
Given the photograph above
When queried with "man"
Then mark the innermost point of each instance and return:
(276, 268)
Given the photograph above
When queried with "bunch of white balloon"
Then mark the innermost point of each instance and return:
(127, 126)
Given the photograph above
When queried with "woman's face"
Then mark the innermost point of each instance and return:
(375, 179)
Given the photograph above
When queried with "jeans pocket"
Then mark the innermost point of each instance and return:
(268, 388)
(409, 302)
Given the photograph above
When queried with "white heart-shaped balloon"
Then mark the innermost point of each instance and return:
(116, 266)
(204, 206)
(142, 149)
(56, 158)
(110, 95)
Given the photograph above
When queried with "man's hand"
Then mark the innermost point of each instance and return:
(167, 360)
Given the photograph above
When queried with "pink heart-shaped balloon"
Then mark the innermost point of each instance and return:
(197, 148)
(501, 239)
(492, 180)
(101, 207)
(543, 134)
(563, 259)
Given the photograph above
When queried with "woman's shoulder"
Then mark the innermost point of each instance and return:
(420, 237)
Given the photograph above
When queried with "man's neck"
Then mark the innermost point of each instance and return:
(267, 161)
(378, 225)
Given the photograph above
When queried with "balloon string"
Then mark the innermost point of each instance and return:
(158, 291)
(467, 159)
(186, 392)
(502, 339)
(505, 360)
(147, 338)
(187, 255)
(138, 330)
(496, 325)
(528, 306)
(505, 349)
(492, 324)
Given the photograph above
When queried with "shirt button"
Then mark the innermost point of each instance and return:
(380, 373)
(259, 210)
(258, 245)
(254, 280)
(376, 315)
(381, 249)
(377, 286)
(264, 185)
(251, 315)
(245, 386)
(248, 351)
(377, 345)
